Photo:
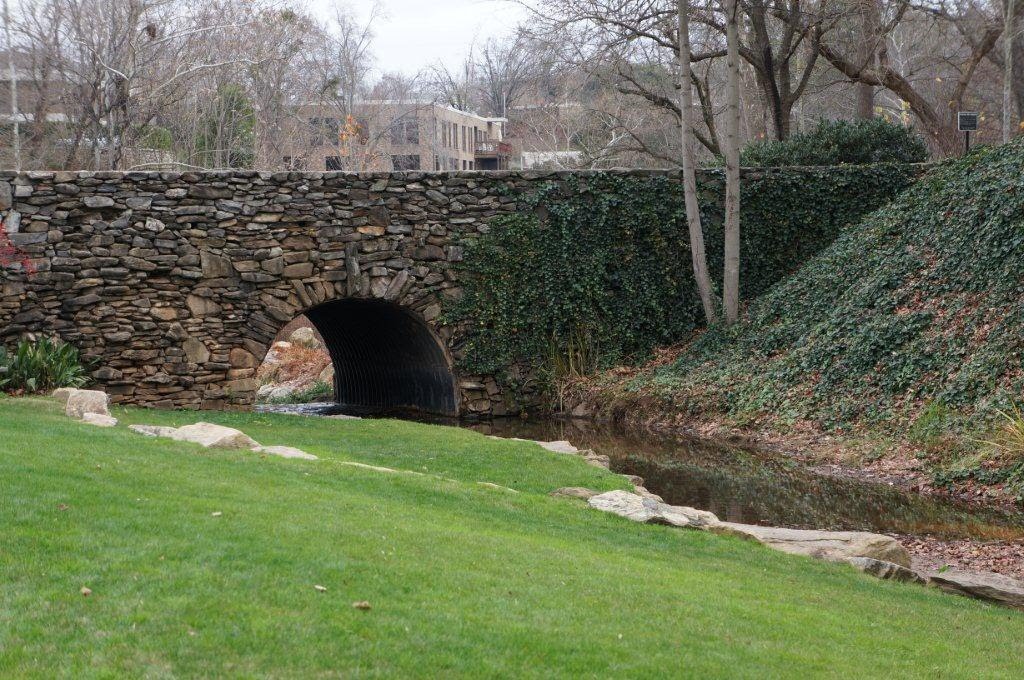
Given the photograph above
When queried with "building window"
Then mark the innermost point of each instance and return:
(324, 131)
(332, 162)
(405, 132)
(405, 162)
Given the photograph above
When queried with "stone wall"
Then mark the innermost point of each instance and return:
(175, 285)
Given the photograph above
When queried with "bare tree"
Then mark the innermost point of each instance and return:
(696, 229)
(731, 284)
(936, 115)
(506, 69)
(457, 88)
(1009, 33)
(15, 113)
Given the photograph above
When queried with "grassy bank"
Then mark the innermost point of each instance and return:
(462, 579)
(909, 327)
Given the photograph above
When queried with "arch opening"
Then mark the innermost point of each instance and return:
(386, 359)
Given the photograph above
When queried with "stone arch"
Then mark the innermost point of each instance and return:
(386, 358)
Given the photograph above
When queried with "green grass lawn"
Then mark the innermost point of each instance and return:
(463, 580)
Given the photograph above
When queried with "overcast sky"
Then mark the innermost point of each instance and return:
(415, 34)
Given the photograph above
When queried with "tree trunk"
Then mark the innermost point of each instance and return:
(698, 255)
(1009, 34)
(15, 114)
(731, 283)
(871, 27)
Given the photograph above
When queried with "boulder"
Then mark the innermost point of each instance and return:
(826, 545)
(80, 402)
(327, 375)
(276, 350)
(575, 492)
(214, 436)
(885, 570)
(285, 452)
(278, 392)
(641, 490)
(304, 336)
(99, 420)
(985, 585)
(649, 511)
(597, 459)
(61, 394)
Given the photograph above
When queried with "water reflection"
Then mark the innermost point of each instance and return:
(751, 486)
(755, 487)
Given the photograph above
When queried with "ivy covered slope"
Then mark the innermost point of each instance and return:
(599, 273)
(918, 308)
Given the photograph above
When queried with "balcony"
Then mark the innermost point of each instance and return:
(493, 148)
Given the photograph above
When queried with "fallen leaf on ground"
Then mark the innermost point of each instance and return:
(216, 514)
(320, 589)
(362, 604)
(86, 592)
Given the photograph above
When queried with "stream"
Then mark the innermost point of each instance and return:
(747, 485)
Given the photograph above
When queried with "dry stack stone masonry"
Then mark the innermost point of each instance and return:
(175, 284)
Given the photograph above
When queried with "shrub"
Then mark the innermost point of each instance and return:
(839, 142)
(40, 366)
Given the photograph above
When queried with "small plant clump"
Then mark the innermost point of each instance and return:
(11, 256)
(40, 366)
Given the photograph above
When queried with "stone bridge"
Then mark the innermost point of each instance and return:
(174, 285)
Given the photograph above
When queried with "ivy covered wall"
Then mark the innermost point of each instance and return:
(596, 271)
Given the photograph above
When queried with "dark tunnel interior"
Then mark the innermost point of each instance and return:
(385, 358)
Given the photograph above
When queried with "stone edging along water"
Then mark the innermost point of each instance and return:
(875, 554)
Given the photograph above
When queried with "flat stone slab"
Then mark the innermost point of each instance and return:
(99, 420)
(559, 447)
(379, 468)
(987, 586)
(885, 570)
(575, 492)
(285, 452)
(80, 402)
(826, 545)
(649, 511)
(497, 487)
(153, 430)
(210, 435)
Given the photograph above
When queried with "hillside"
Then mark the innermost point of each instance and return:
(910, 324)
(217, 563)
